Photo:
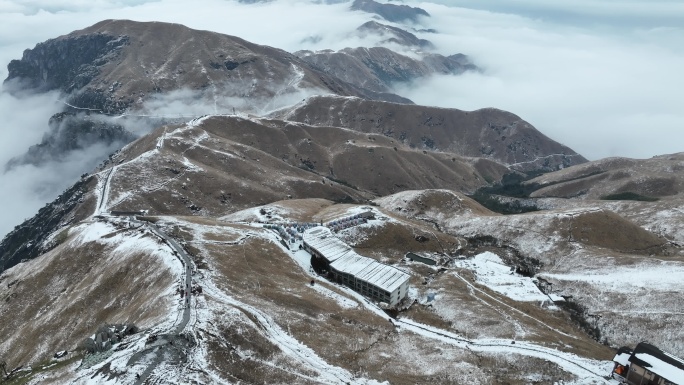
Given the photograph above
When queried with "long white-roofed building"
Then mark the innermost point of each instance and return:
(365, 275)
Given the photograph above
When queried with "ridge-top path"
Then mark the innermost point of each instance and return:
(187, 285)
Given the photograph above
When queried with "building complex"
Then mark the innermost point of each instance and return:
(365, 275)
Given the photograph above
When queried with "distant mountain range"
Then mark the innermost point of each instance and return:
(114, 68)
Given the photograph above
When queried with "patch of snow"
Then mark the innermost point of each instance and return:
(588, 371)
(653, 276)
(341, 300)
(189, 166)
(494, 274)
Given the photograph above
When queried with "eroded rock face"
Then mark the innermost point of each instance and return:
(67, 64)
(31, 238)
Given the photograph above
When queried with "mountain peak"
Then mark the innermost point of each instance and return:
(390, 12)
(394, 35)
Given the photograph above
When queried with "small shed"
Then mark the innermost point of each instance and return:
(369, 214)
(421, 258)
(647, 365)
(127, 213)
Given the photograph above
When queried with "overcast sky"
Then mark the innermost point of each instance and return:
(601, 76)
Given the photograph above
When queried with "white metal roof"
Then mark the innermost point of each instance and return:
(344, 259)
(659, 362)
(622, 358)
(662, 368)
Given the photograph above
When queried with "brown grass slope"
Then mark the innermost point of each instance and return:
(609, 230)
(432, 205)
(486, 133)
(351, 337)
(240, 163)
(658, 177)
(55, 301)
(161, 57)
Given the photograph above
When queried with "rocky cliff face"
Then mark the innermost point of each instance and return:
(70, 131)
(32, 238)
(67, 64)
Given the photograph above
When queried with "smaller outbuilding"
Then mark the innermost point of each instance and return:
(426, 259)
(647, 365)
(127, 213)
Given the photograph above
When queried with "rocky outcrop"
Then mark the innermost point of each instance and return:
(107, 336)
(67, 64)
(31, 238)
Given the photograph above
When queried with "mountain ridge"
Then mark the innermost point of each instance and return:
(193, 233)
(487, 133)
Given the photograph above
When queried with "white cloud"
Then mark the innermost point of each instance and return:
(25, 189)
(603, 94)
(592, 13)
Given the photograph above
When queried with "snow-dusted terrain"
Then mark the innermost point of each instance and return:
(264, 314)
(494, 274)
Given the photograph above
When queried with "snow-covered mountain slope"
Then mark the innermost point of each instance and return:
(101, 272)
(259, 318)
(623, 275)
(222, 298)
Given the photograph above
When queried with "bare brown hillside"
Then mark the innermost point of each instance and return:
(433, 205)
(657, 177)
(117, 64)
(609, 230)
(228, 163)
(99, 274)
(487, 133)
